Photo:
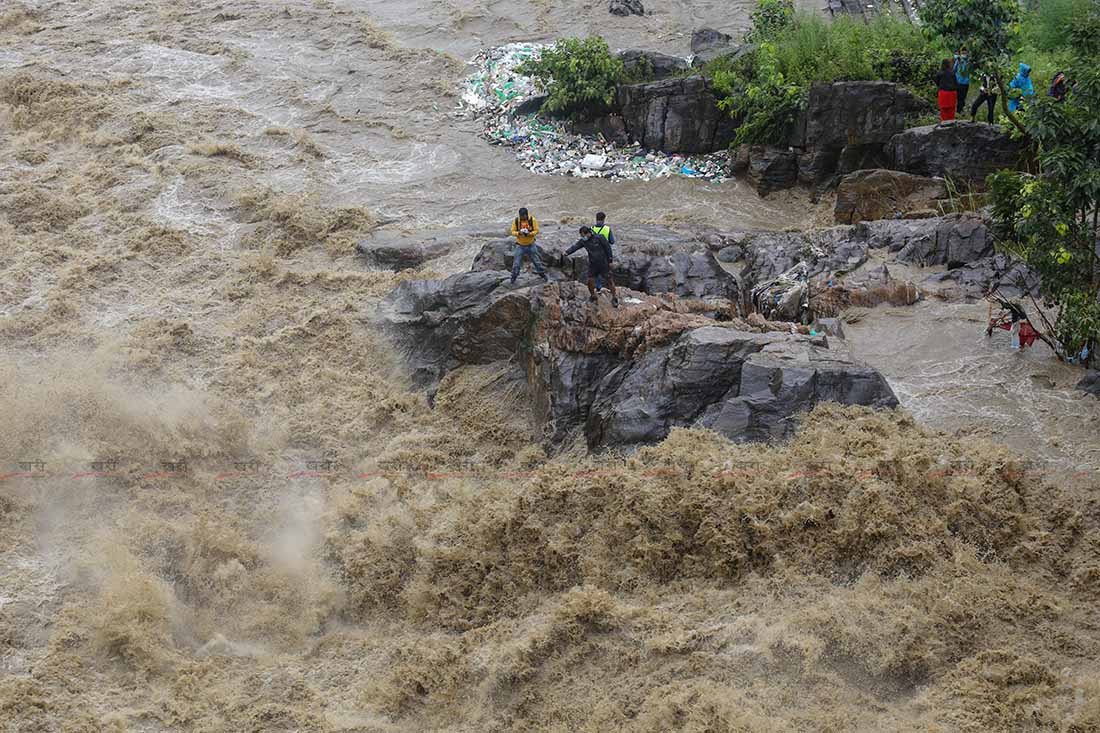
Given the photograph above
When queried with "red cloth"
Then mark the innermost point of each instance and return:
(1028, 335)
(948, 101)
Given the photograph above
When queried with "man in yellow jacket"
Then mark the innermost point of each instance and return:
(525, 229)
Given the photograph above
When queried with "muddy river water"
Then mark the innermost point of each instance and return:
(193, 531)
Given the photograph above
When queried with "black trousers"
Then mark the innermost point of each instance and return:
(989, 100)
(963, 90)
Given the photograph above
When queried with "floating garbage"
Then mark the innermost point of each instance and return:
(506, 103)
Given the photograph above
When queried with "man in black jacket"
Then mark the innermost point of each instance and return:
(599, 262)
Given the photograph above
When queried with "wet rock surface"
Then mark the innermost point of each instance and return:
(885, 194)
(403, 250)
(652, 64)
(625, 7)
(650, 259)
(957, 149)
(677, 115)
(623, 377)
(1090, 383)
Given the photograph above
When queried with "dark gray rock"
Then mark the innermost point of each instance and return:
(1090, 383)
(640, 402)
(625, 7)
(959, 149)
(472, 318)
(531, 105)
(772, 169)
(786, 379)
(1001, 272)
(847, 125)
(651, 65)
(731, 253)
(953, 240)
(708, 44)
(675, 115)
(649, 259)
(824, 251)
(404, 250)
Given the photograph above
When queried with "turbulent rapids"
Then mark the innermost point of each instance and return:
(225, 506)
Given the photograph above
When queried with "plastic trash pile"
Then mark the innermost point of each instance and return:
(496, 92)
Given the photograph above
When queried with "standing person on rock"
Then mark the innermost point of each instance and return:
(525, 228)
(604, 230)
(948, 96)
(961, 67)
(599, 262)
(1026, 88)
(987, 95)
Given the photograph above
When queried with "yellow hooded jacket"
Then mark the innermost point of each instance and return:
(525, 240)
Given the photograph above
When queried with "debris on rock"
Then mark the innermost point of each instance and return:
(626, 7)
(505, 101)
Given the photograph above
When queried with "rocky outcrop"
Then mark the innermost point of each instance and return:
(958, 149)
(708, 44)
(404, 250)
(884, 194)
(1090, 383)
(772, 169)
(625, 7)
(976, 279)
(675, 115)
(624, 377)
(952, 241)
(649, 259)
(783, 380)
(652, 65)
(847, 125)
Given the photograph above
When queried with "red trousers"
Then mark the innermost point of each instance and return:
(948, 100)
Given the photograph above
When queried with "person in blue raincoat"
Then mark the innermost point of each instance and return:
(1023, 83)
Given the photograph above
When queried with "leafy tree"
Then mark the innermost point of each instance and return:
(578, 75)
(1051, 220)
(988, 29)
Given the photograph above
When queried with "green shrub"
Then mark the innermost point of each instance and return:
(578, 75)
(1047, 27)
(766, 89)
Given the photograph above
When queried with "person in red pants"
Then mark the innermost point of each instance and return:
(948, 95)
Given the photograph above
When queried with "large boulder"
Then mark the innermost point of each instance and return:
(708, 44)
(652, 65)
(1090, 383)
(772, 169)
(675, 115)
(784, 380)
(649, 259)
(885, 194)
(409, 249)
(846, 126)
(958, 149)
(952, 240)
(976, 279)
(472, 318)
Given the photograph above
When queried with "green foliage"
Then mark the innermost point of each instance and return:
(769, 18)
(1048, 27)
(1051, 220)
(579, 75)
(766, 89)
(989, 29)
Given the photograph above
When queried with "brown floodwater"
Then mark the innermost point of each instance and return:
(222, 508)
